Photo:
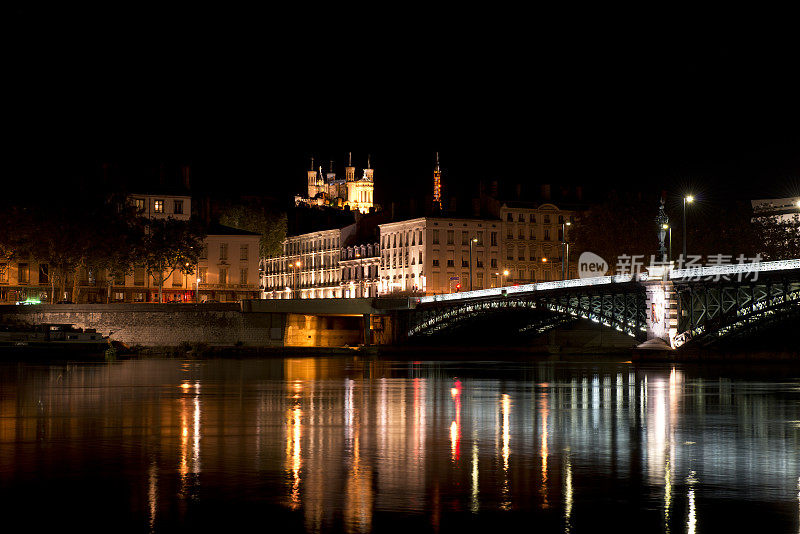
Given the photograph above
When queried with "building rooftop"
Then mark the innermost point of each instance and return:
(218, 229)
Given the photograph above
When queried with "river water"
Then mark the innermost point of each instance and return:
(360, 445)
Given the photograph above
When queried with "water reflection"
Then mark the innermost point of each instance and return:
(323, 444)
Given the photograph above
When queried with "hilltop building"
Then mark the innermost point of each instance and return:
(326, 189)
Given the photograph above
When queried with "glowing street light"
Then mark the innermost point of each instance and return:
(669, 229)
(686, 200)
(472, 242)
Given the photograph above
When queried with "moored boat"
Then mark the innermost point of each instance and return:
(52, 339)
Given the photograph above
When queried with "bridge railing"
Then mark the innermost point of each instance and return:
(735, 269)
(527, 288)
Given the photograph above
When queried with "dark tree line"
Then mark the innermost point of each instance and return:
(95, 231)
(626, 226)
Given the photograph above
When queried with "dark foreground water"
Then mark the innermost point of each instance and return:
(340, 444)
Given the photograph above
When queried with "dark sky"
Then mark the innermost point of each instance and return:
(247, 98)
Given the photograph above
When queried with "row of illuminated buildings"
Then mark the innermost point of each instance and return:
(227, 269)
(522, 243)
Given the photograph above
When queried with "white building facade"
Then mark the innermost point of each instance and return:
(433, 255)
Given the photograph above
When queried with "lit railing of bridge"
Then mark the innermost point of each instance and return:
(698, 272)
(735, 269)
(527, 288)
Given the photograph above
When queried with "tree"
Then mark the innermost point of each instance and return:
(617, 227)
(261, 219)
(778, 236)
(169, 245)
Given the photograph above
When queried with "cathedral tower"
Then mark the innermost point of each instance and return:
(350, 171)
(312, 181)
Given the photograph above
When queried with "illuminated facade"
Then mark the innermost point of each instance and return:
(532, 242)
(360, 266)
(308, 266)
(325, 189)
(431, 255)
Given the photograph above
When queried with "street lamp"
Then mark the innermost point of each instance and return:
(197, 291)
(564, 247)
(296, 282)
(669, 229)
(471, 242)
(505, 275)
(686, 200)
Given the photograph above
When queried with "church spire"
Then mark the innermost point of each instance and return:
(368, 165)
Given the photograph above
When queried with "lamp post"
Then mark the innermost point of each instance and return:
(471, 242)
(564, 247)
(668, 228)
(502, 279)
(197, 291)
(686, 200)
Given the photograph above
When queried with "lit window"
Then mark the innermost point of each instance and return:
(138, 203)
(243, 253)
(158, 206)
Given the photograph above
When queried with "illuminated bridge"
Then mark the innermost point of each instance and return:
(696, 306)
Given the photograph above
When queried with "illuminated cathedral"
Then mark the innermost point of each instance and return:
(326, 189)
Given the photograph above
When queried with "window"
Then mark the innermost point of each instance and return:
(560, 219)
(435, 237)
(479, 262)
(138, 276)
(510, 253)
(119, 279)
(532, 218)
(533, 235)
(138, 203)
(23, 273)
(243, 276)
(522, 274)
(547, 234)
(450, 263)
(547, 219)
(223, 251)
(223, 275)
(3, 273)
(158, 206)
(44, 273)
(138, 297)
(435, 263)
(510, 233)
(243, 252)
(450, 236)
(521, 217)
(493, 263)
(177, 278)
(521, 232)
(178, 207)
(494, 239)
(479, 235)
(119, 296)
(479, 282)
(464, 263)
(521, 253)
(510, 217)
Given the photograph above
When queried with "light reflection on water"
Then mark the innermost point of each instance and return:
(321, 444)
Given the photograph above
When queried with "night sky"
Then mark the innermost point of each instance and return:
(681, 109)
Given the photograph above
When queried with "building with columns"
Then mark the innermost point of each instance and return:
(308, 266)
(360, 265)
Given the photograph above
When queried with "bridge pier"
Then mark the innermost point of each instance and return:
(661, 307)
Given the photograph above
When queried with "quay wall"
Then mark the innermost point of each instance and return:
(160, 325)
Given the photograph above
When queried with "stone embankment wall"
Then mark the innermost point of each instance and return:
(160, 325)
